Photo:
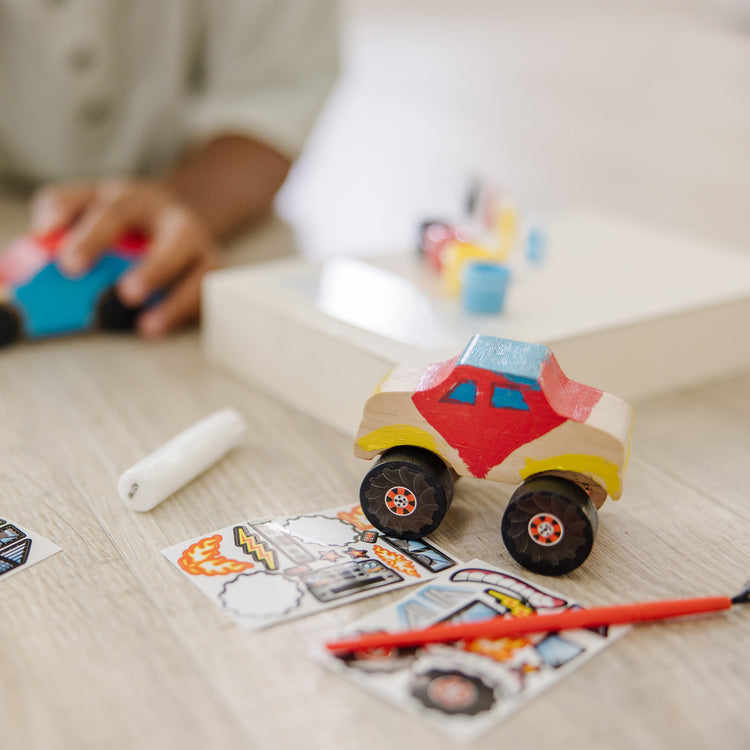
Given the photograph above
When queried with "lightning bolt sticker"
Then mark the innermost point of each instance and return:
(253, 545)
(511, 604)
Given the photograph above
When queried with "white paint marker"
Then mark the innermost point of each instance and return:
(153, 479)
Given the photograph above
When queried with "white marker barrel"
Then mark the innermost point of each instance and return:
(153, 479)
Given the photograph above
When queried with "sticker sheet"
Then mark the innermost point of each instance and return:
(270, 570)
(20, 548)
(466, 688)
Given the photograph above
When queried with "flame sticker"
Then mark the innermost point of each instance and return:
(396, 560)
(356, 518)
(203, 559)
(501, 649)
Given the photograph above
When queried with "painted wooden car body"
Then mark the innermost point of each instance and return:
(503, 410)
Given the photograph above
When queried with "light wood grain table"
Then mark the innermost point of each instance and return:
(106, 645)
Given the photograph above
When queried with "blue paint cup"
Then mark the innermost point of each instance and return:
(483, 286)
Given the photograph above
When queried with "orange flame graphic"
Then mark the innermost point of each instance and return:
(356, 518)
(203, 559)
(500, 649)
(396, 560)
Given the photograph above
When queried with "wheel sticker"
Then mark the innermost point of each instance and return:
(400, 501)
(452, 692)
(545, 529)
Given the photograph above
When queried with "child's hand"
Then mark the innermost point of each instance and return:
(181, 250)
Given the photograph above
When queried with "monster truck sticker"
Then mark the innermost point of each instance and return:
(464, 689)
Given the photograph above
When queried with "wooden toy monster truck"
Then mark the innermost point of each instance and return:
(502, 410)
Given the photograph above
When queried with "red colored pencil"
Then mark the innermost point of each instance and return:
(506, 627)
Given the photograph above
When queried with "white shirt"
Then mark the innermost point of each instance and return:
(92, 88)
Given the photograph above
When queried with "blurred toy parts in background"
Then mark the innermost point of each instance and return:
(37, 300)
(503, 410)
(474, 255)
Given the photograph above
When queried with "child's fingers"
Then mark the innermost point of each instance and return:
(58, 206)
(181, 250)
(178, 243)
(181, 307)
(114, 210)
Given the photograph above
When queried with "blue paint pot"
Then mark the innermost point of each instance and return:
(483, 286)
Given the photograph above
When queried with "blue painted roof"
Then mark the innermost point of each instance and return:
(515, 359)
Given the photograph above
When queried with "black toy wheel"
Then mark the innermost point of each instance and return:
(113, 315)
(549, 525)
(407, 493)
(453, 692)
(10, 325)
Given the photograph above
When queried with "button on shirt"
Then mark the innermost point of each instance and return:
(93, 88)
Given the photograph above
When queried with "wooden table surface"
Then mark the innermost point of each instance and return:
(107, 645)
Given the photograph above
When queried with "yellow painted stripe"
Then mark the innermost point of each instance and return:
(600, 469)
(397, 434)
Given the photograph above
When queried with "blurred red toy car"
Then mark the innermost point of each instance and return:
(37, 300)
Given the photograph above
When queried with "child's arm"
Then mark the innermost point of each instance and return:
(226, 184)
(230, 182)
